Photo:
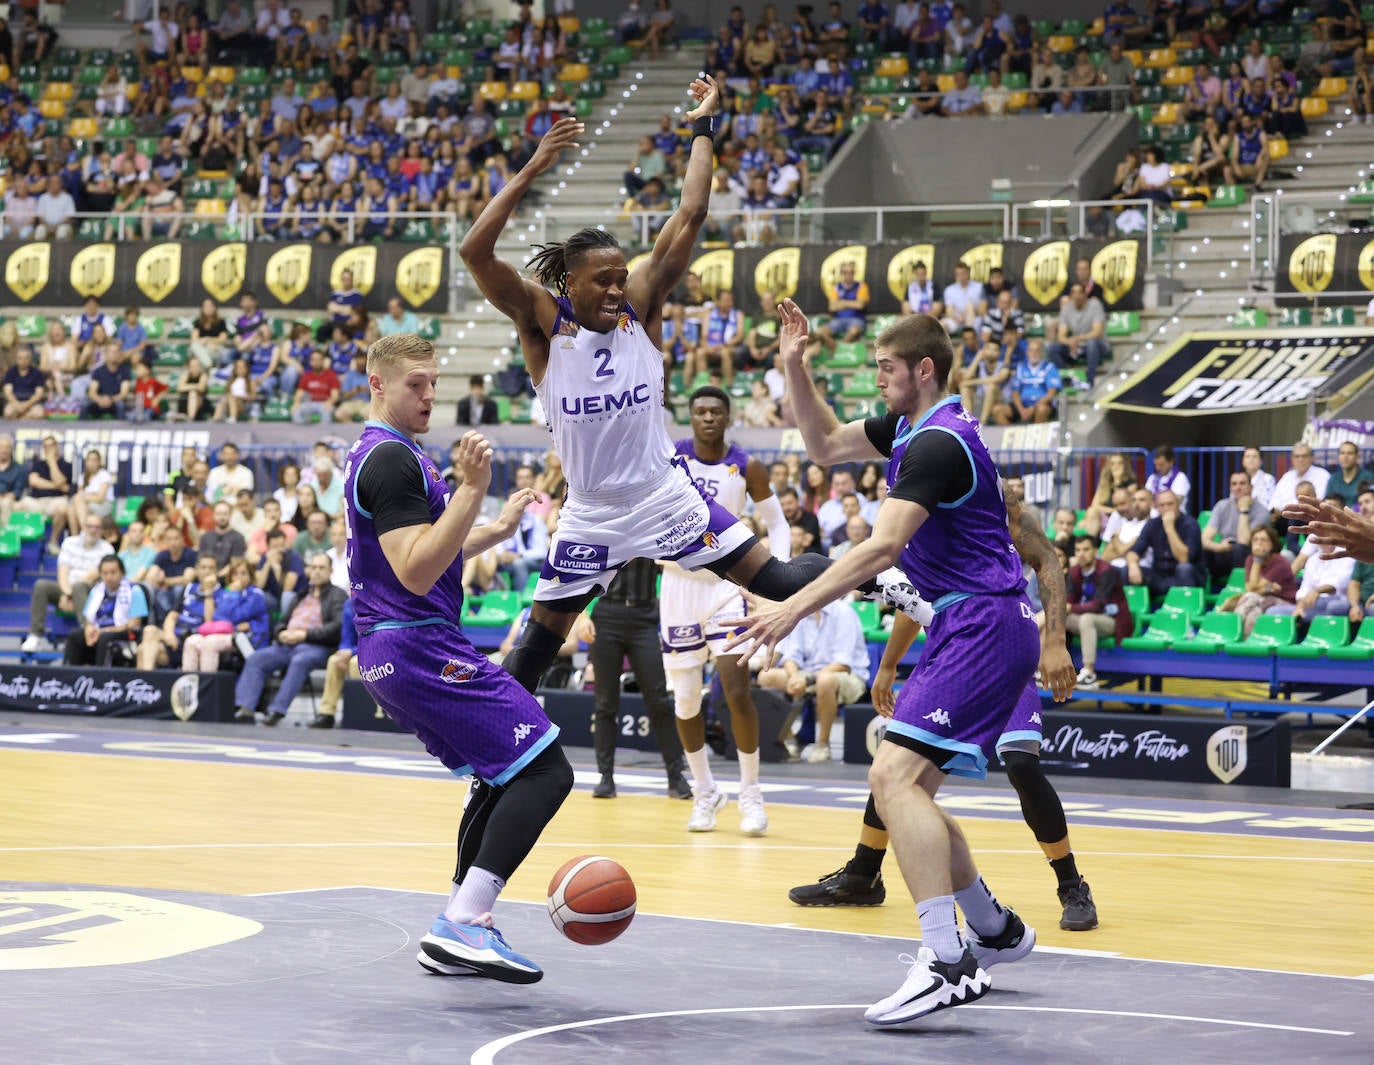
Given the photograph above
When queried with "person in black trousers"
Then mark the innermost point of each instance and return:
(624, 623)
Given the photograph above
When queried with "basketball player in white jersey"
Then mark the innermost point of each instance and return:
(698, 609)
(593, 355)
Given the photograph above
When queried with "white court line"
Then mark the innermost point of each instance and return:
(486, 1055)
(750, 845)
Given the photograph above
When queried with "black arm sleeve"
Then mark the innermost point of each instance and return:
(392, 489)
(882, 430)
(934, 469)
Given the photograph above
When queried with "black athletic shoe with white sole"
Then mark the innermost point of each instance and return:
(1080, 912)
(930, 985)
(1011, 944)
(894, 588)
(841, 888)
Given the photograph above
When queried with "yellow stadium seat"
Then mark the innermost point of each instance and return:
(1329, 87)
(1098, 27)
(1314, 106)
(523, 90)
(83, 127)
(573, 73)
(59, 90)
(1061, 44)
(213, 208)
(1278, 147)
(194, 74)
(1136, 56)
(52, 109)
(1161, 58)
(1176, 76)
(892, 66)
(456, 73)
(224, 74)
(4, 72)
(944, 82)
(876, 108)
(492, 90)
(1018, 101)
(569, 23)
(1167, 115)
(1192, 196)
(132, 91)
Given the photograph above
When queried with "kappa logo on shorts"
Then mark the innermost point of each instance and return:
(581, 558)
(521, 731)
(456, 671)
(939, 716)
(1035, 718)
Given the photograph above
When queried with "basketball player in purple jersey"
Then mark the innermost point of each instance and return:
(593, 355)
(945, 521)
(406, 537)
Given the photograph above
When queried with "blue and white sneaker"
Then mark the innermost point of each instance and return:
(477, 949)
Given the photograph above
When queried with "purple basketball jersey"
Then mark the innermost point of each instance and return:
(964, 547)
(378, 595)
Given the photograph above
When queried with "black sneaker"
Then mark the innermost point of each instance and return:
(1080, 912)
(243, 713)
(1013, 943)
(321, 721)
(678, 788)
(272, 717)
(841, 888)
(605, 787)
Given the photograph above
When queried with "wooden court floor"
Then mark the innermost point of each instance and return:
(1212, 898)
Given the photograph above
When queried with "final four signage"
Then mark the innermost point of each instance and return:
(1222, 373)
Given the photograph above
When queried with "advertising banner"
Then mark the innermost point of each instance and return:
(175, 273)
(1228, 372)
(159, 693)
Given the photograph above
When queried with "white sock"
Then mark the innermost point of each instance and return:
(475, 896)
(982, 912)
(940, 928)
(748, 769)
(703, 783)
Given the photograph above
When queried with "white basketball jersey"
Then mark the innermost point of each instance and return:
(603, 398)
(722, 481)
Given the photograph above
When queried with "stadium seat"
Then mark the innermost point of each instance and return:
(1191, 602)
(572, 73)
(29, 526)
(1123, 323)
(1176, 76)
(847, 355)
(1250, 318)
(1167, 115)
(126, 510)
(862, 385)
(1215, 631)
(1313, 106)
(1360, 649)
(31, 326)
(1235, 585)
(892, 66)
(1165, 628)
(498, 609)
(1271, 632)
(1338, 316)
(523, 90)
(1296, 316)
(1227, 196)
(1330, 87)
(1324, 634)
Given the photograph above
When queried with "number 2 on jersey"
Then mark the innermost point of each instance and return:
(604, 369)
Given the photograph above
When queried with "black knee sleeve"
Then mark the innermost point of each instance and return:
(871, 818)
(778, 580)
(526, 804)
(1040, 805)
(532, 655)
(481, 800)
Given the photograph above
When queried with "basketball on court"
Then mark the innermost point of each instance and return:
(591, 900)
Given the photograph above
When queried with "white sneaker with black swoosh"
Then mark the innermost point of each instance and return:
(930, 985)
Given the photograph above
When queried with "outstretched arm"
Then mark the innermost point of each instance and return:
(827, 440)
(1340, 533)
(1032, 545)
(652, 281)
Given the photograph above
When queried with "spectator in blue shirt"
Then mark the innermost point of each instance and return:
(1173, 543)
(1034, 390)
(344, 298)
(355, 392)
(1068, 103)
(110, 388)
(963, 99)
(280, 574)
(132, 336)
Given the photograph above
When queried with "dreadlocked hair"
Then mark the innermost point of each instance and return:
(551, 262)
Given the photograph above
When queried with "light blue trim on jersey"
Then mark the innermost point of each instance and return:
(370, 424)
(969, 454)
(412, 624)
(949, 599)
(967, 759)
(463, 771)
(1035, 735)
(507, 774)
(931, 412)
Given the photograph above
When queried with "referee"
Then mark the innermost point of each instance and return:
(624, 624)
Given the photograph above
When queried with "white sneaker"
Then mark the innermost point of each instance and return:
(704, 809)
(32, 642)
(1087, 679)
(753, 819)
(895, 589)
(930, 985)
(819, 752)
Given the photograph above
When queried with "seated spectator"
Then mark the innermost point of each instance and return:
(824, 656)
(1285, 491)
(1033, 395)
(989, 48)
(162, 210)
(761, 411)
(222, 542)
(963, 99)
(25, 387)
(78, 569)
(720, 342)
(147, 396)
(1097, 606)
(241, 613)
(980, 381)
(136, 550)
(398, 319)
(280, 571)
(920, 293)
(964, 301)
(314, 538)
(523, 552)
(162, 645)
(210, 336)
(1131, 508)
(1174, 543)
(110, 387)
(50, 488)
(1350, 478)
(856, 531)
(661, 28)
(476, 408)
(317, 392)
(1249, 154)
(1061, 530)
(229, 477)
(342, 665)
(114, 614)
(1118, 70)
(271, 521)
(1211, 150)
(94, 494)
(173, 567)
(55, 211)
(247, 517)
(1114, 473)
(848, 303)
(311, 633)
(802, 519)
(13, 479)
(1152, 179)
(1226, 539)
(1081, 335)
(1167, 477)
(958, 32)
(1202, 95)
(834, 511)
(1324, 589)
(355, 393)
(821, 128)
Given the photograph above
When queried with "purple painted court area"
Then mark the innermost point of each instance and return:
(330, 978)
(1218, 815)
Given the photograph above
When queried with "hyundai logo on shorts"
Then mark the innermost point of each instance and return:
(581, 551)
(580, 558)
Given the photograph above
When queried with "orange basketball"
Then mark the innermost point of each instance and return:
(591, 900)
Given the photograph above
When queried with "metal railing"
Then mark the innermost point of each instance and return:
(1272, 215)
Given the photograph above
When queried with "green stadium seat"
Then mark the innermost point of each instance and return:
(1296, 316)
(1324, 634)
(1189, 601)
(1359, 649)
(29, 526)
(1215, 631)
(499, 608)
(1250, 318)
(91, 74)
(9, 543)
(1338, 316)
(527, 592)
(1235, 585)
(862, 385)
(126, 510)
(118, 127)
(1123, 323)
(1364, 193)
(418, 231)
(31, 326)
(871, 620)
(877, 323)
(429, 328)
(1138, 599)
(200, 231)
(848, 354)
(619, 55)
(502, 409)
(1227, 196)
(1166, 627)
(152, 325)
(1271, 632)
(90, 229)
(252, 76)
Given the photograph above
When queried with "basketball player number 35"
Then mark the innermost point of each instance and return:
(604, 369)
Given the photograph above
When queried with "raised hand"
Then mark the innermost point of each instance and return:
(515, 506)
(794, 334)
(707, 95)
(562, 135)
(474, 461)
(1339, 532)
